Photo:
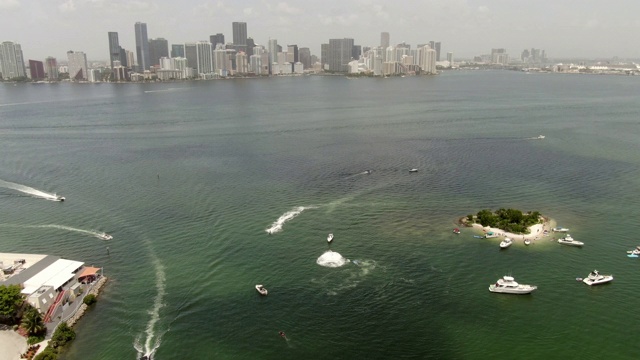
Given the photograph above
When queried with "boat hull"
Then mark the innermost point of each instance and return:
(591, 282)
(516, 291)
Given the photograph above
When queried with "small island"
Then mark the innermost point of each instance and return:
(510, 223)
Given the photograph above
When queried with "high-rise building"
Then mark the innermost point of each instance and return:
(204, 59)
(51, 68)
(220, 60)
(324, 55)
(499, 56)
(158, 48)
(293, 55)
(305, 57)
(191, 53)
(356, 52)
(142, 47)
(216, 39)
(427, 59)
(36, 68)
(384, 40)
(239, 33)
(450, 59)
(114, 47)
(437, 49)
(241, 63)
(11, 60)
(273, 52)
(131, 59)
(177, 50)
(78, 69)
(250, 45)
(340, 54)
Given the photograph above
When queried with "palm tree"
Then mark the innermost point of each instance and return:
(32, 322)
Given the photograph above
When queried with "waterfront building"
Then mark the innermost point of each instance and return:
(241, 63)
(166, 63)
(384, 40)
(450, 59)
(158, 48)
(191, 53)
(304, 55)
(114, 47)
(356, 52)
(389, 54)
(216, 39)
(437, 49)
(177, 50)
(77, 65)
(428, 60)
(250, 45)
(298, 68)
(131, 59)
(142, 47)
(51, 68)
(499, 56)
(273, 52)
(340, 54)
(292, 54)
(36, 69)
(255, 64)
(264, 61)
(221, 62)
(94, 75)
(239, 33)
(119, 73)
(204, 59)
(11, 61)
(324, 56)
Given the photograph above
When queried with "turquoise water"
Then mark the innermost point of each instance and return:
(187, 177)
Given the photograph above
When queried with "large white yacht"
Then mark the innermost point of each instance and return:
(559, 229)
(505, 243)
(595, 278)
(508, 285)
(568, 240)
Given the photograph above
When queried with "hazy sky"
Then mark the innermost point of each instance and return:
(564, 28)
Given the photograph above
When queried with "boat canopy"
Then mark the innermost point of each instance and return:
(490, 233)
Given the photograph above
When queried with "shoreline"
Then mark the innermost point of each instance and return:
(536, 232)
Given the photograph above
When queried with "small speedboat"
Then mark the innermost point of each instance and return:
(540, 137)
(330, 238)
(282, 334)
(456, 231)
(413, 170)
(60, 198)
(568, 240)
(595, 278)
(559, 229)
(367, 172)
(527, 242)
(505, 243)
(105, 236)
(262, 290)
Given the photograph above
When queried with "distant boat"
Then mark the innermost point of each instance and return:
(527, 242)
(262, 290)
(413, 170)
(595, 278)
(490, 235)
(60, 198)
(330, 238)
(367, 172)
(540, 137)
(506, 243)
(508, 285)
(559, 229)
(456, 231)
(105, 236)
(568, 240)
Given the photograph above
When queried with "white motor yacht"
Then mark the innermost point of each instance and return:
(540, 136)
(508, 285)
(413, 170)
(330, 238)
(262, 290)
(60, 198)
(595, 278)
(559, 229)
(506, 243)
(105, 236)
(568, 240)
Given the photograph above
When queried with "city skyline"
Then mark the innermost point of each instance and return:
(468, 28)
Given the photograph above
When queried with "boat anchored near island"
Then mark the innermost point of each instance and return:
(506, 243)
(330, 238)
(568, 240)
(508, 285)
(595, 278)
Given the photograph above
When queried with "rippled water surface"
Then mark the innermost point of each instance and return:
(209, 188)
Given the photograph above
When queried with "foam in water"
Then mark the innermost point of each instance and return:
(94, 233)
(29, 190)
(152, 340)
(278, 224)
(331, 259)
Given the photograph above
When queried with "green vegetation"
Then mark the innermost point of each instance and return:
(32, 322)
(510, 220)
(10, 303)
(90, 299)
(47, 354)
(62, 336)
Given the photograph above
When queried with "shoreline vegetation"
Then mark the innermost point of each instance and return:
(511, 223)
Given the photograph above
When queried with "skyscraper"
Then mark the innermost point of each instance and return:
(305, 57)
(239, 33)
(324, 55)
(114, 48)
(158, 48)
(77, 65)
(177, 50)
(437, 49)
(450, 59)
(384, 40)
(250, 45)
(273, 52)
(292, 54)
(51, 68)
(427, 59)
(340, 51)
(204, 56)
(36, 68)
(191, 53)
(216, 39)
(11, 60)
(142, 47)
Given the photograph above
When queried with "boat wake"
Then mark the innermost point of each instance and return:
(278, 224)
(29, 191)
(94, 233)
(152, 340)
(331, 259)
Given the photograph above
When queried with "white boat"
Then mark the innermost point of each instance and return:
(540, 137)
(59, 198)
(105, 236)
(330, 238)
(527, 242)
(568, 240)
(262, 290)
(508, 285)
(490, 235)
(595, 278)
(413, 170)
(505, 243)
(559, 229)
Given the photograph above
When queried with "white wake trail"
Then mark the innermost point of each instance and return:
(153, 340)
(278, 224)
(29, 190)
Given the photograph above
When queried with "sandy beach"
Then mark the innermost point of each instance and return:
(12, 345)
(536, 231)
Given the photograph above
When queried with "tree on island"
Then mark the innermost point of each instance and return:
(32, 322)
(10, 303)
(510, 220)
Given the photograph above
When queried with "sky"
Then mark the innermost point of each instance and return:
(564, 28)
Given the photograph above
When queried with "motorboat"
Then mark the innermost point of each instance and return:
(527, 242)
(413, 170)
(505, 243)
(282, 334)
(105, 236)
(456, 231)
(490, 235)
(595, 278)
(330, 238)
(568, 240)
(60, 198)
(508, 285)
(635, 251)
(262, 290)
(559, 229)
(367, 172)
(540, 137)
(478, 237)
